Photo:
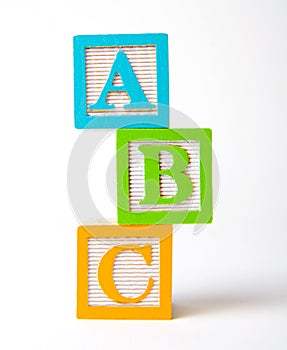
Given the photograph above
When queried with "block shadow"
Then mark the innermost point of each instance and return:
(194, 305)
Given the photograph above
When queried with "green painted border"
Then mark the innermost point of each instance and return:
(125, 217)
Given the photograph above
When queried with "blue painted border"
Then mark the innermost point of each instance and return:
(161, 120)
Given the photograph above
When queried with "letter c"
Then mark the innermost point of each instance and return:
(105, 272)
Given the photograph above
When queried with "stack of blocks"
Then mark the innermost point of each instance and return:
(164, 176)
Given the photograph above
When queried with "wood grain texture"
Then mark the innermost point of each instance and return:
(130, 272)
(99, 61)
(168, 187)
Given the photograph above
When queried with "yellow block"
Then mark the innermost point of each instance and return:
(124, 272)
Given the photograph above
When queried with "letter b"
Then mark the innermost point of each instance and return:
(176, 171)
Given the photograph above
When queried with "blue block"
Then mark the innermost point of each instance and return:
(121, 81)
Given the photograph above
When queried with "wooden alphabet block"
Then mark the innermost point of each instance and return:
(164, 176)
(124, 272)
(121, 81)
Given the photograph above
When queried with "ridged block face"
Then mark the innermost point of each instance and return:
(124, 272)
(130, 272)
(168, 186)
(99, 61)
(121, 81)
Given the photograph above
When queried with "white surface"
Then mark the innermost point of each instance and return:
(103, 192)
(228, 72)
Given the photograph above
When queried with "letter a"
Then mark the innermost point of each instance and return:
(131, 85)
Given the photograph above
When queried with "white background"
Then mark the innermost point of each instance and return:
(228, 72)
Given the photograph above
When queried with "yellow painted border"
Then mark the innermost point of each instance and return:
(164, 311)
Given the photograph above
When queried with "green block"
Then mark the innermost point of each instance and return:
(164, 176)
